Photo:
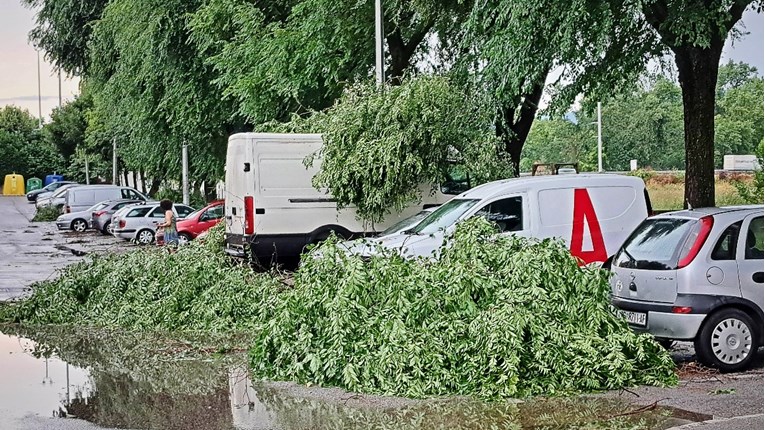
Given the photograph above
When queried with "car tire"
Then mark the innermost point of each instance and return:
(144, 237)
(727, 341)
(79, 225)
(106, 228)
(183, 239)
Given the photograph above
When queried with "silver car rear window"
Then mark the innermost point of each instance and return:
(655, 244)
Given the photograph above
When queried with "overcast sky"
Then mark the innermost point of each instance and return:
(18, 59)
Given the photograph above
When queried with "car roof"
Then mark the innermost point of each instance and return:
(697, 213)
(526, 183)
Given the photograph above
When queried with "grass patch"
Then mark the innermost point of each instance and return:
(668, 195)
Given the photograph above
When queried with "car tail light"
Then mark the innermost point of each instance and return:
(99, 213)
(67, 209)
(249, 215)
(122, 223)
(702, 232)
(681, 309)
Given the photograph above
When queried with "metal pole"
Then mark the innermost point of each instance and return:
(185, 162)
(114, 161)
(379, 53)
(39, 89)
(87, 171)
(600, 142)
(59, 87)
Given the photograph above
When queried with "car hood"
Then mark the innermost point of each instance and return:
(406, 245)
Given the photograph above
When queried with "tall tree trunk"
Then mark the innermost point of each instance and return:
(135, 179)
(155, 183)
(697, 70)
(401, 51)
(514, 124)
(125, 176)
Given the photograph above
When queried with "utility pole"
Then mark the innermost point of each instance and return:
(379, 53)
(600, 142)
(185, 162)
(39, 89)
(59, 87)
(114, 161)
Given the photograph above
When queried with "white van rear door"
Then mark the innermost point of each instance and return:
(240, 181)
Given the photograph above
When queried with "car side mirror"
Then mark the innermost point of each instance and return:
(204, 217)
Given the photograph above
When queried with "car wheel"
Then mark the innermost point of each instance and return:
(144, 237)
(107, 228)
(726, 341)
(79, 225)
(183, 238)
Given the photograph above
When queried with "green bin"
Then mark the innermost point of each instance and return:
(34, 184)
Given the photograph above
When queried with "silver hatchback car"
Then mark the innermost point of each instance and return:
(696, 275)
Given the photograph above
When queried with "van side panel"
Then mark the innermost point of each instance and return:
(605, 216)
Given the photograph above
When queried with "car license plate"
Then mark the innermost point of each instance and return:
(636, 318)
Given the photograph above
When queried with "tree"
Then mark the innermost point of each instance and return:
(22, 148)
(154, 93)
(739, 111)
(695, 32)
(66, 130)
(64, 29)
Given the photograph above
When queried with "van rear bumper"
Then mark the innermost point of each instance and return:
(266, 247)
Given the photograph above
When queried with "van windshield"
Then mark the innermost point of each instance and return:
(445, 216)
(655, 244)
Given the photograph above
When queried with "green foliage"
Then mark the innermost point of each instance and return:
(66, 129)
(23, 149)
(491, 317)
(63, 30)
(46, 213)
(195, 288)
(752, 192)
(380, 146)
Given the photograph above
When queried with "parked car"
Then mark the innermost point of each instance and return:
(46, 191)
(593, 214)
(77, 221)
(57, 198)
(139, 222)
(696, 275)
(199, 222)
(86, 196)
(101, 218)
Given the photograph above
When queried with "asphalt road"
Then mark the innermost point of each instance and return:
(34, 251)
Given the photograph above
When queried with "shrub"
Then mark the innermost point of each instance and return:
(46, 213)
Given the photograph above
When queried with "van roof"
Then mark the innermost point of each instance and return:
(702, 212)
(280, 136)
(98, 186)
(514, 185)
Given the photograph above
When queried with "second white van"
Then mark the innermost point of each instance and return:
(272, 207)
(83, 197)
(594, 214)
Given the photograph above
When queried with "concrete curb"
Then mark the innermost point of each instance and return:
(740, 422)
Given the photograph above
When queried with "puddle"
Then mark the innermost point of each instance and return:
(141, 381)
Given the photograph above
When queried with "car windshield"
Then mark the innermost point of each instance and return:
(445, 216)
(655, 244)
(406, 223)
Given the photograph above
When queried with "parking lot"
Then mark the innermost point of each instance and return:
(34, 251)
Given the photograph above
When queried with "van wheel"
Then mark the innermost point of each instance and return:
(79, 225)
(324, 233)
(726, 341)
(145, 237)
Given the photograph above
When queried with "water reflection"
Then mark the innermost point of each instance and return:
(143, 381)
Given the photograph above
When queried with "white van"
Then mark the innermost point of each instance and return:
(592, 213)
(272, 207)
(83, 197)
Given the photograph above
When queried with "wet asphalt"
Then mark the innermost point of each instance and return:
(35, 251)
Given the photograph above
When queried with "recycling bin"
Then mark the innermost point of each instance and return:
(13, 185)
(34, 184)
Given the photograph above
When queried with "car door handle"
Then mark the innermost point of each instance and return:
(757, 277)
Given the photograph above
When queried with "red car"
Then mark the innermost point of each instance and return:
(199, 222)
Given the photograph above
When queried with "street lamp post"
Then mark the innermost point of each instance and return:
(600, 142)
(379, 53)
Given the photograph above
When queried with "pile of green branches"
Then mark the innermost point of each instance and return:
(492, 317)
